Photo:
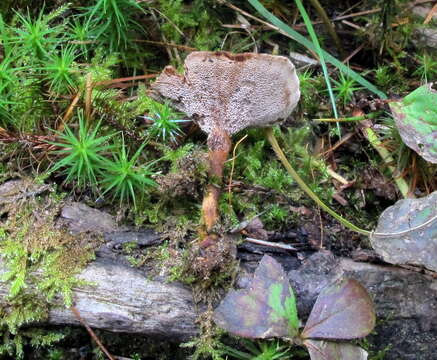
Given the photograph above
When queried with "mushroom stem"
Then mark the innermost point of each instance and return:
(219, 144)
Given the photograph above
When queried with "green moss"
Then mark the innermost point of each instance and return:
(42, 262)
(192, 23)
(208, 344)
(265, 181)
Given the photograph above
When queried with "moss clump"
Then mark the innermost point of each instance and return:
(175, 201)
(208, 344)
(39, 261)
(260, 179)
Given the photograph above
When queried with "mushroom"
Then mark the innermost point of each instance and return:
(225, 93)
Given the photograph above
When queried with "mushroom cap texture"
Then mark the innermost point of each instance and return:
(231, 91)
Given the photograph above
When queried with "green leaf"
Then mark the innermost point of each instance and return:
(407, 232)
(308, 44)
(266, 309)
(343, 311)
(327, 350)
(416, 120)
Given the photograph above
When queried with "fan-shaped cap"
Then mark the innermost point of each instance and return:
(231, 91)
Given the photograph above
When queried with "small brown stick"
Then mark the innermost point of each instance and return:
(338, 18)
(69, 112)
(336, 176)
(353, 53)
(219, 144)
(273, 27)
(88, 97)
(124, 79)
(271, 244)
(430, 14)
(352, 25)
(181, 33)
(417, 2)
(348, 10)
(160, 43)
(245, 13)
(233, 166)
(267, 24)
(167, 44)
(91, 332)
(337, 144)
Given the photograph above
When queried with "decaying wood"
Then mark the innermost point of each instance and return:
(122, 299)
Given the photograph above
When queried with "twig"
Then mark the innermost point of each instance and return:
(181, 33)
(350, 8)
(340, 142)
(352, 25)
(245, 13)
(430, 14)
(69, 112)
(88, 98)
(129, 78)
(353, 53)
(338, 18)
(91, 332)
(245, 223)
(169, 53)
(233, 166)
(167, 44)
(278, 245)
(336, 176)
(267, 24)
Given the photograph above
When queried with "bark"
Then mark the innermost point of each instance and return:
(124, 299)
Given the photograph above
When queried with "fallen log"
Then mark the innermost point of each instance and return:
(124, 299)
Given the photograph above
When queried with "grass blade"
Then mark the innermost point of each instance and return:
(308, 44)
(316, 43)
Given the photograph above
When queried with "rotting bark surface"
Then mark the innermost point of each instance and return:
(123, 299)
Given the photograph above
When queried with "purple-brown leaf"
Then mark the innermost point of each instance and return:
(266, 309)
(328, 350)
(343, 310)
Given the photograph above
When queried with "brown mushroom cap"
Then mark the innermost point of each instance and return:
(231, 92)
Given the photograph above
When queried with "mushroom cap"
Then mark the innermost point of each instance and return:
(231, 92)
